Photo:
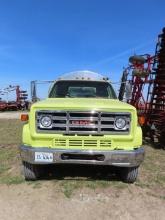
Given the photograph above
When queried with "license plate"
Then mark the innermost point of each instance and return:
(43, 157)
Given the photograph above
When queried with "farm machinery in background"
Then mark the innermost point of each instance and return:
(21, 102)
(143, 86)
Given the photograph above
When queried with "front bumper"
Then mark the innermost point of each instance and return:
(120, 158)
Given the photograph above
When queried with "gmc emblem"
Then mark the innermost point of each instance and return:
(80, 122)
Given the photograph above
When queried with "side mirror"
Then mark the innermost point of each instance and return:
(128, 90)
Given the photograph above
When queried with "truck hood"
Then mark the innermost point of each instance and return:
(82, 104)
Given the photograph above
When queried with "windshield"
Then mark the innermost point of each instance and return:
(82, 89)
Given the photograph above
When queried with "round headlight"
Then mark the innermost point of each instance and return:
(120, 123)
(46, 121)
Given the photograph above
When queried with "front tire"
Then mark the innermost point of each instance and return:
(129, 174)
(30, 171)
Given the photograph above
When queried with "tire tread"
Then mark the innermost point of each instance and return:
(30, 171)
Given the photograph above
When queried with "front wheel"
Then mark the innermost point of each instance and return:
(129, 174)
(30, 171)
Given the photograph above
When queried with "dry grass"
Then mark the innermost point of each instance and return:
(10, 132)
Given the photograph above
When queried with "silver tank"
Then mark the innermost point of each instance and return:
(83, 75)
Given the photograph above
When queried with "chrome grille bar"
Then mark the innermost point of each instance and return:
(86, 122)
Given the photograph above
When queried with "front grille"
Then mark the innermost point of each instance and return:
(68, 122)
(87, 143)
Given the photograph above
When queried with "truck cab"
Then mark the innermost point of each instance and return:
(82, 122)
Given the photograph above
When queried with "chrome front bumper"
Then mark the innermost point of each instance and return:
(120, 158)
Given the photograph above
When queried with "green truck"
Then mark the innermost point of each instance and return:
(82, 122)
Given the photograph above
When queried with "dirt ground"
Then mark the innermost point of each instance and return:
(78, 192)
(26, 202)
(10, 115)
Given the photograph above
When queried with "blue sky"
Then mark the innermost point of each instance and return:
(41, 39)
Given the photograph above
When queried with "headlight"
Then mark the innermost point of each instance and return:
(120, 123)
(46, 121)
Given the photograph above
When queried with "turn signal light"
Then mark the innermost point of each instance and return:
(141, 120)
(24, 117)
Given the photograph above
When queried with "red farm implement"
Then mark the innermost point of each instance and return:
(3, 105)
(143, 86)
(20, 103)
